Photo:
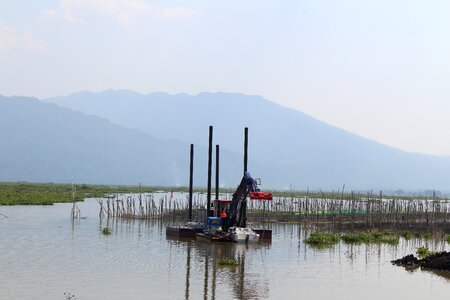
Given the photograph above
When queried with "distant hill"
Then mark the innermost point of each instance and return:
(43, 142)
(288, 147)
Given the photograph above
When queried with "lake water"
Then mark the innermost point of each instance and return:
(44, 255)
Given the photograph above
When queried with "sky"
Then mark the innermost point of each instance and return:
(380, 69)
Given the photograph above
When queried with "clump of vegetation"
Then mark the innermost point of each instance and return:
(423, 252)
(366, 237)
(228, 262)
(371, 237)
(418, 235)
(353, 238)
(106, 231)
(322, 239)
(427, 236)
(447, 238)
(407, 235)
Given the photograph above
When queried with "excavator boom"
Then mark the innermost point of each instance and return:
(238, 207)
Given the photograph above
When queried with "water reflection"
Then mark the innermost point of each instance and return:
(188, 269)
(45, 255)
(223, 282)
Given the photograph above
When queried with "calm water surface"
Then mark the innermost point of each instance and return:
(44, 255)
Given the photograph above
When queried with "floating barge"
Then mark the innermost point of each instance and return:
(265, 235)
(195, 233)
(210, 238)
(226, 215)
(181, 231)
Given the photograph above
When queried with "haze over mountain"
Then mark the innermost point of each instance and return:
(43, 142)
(294, 148)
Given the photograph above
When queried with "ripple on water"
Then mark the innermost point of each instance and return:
(44, 255)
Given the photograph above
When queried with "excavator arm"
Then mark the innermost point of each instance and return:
(238, 207)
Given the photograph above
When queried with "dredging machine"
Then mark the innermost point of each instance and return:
(226, 220)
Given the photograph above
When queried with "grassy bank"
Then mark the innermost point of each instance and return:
(24, 193)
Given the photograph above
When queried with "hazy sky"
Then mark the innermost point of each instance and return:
(378, 68)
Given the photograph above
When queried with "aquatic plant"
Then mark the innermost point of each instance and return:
(106, 231)
(322, 239)
(427, 236)
(371, 237)
(228, 262)
(419, 235)
(423, 252)
(407, 235)
(447, 238)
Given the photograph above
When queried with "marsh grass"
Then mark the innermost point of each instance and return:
(325, 239)
(371, 237)
(407, 235)
(319, 239)
(25, 193)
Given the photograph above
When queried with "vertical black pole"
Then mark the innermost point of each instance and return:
(208, 197)
(191, 180)
(217, 171)
(244, 204)
(219, 208)
(245, 149)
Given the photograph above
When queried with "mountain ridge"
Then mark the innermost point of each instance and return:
(207, 93)
(296, 147)
(129, 134)
(48, 143)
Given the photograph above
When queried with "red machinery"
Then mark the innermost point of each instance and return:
(261, 196)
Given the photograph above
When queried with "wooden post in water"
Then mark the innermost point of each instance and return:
(191, 180)
(208, 196)
(75, 210)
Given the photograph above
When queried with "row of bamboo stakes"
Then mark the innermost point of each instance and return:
(353, 208)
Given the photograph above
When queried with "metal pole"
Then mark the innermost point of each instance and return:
(217, 172)
(219, 208)
(208, 197)
(244, 204)
(245, 149)
(191, 180)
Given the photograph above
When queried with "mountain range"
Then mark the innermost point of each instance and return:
(126, 137)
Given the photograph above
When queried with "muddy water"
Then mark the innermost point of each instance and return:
(44, 255)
